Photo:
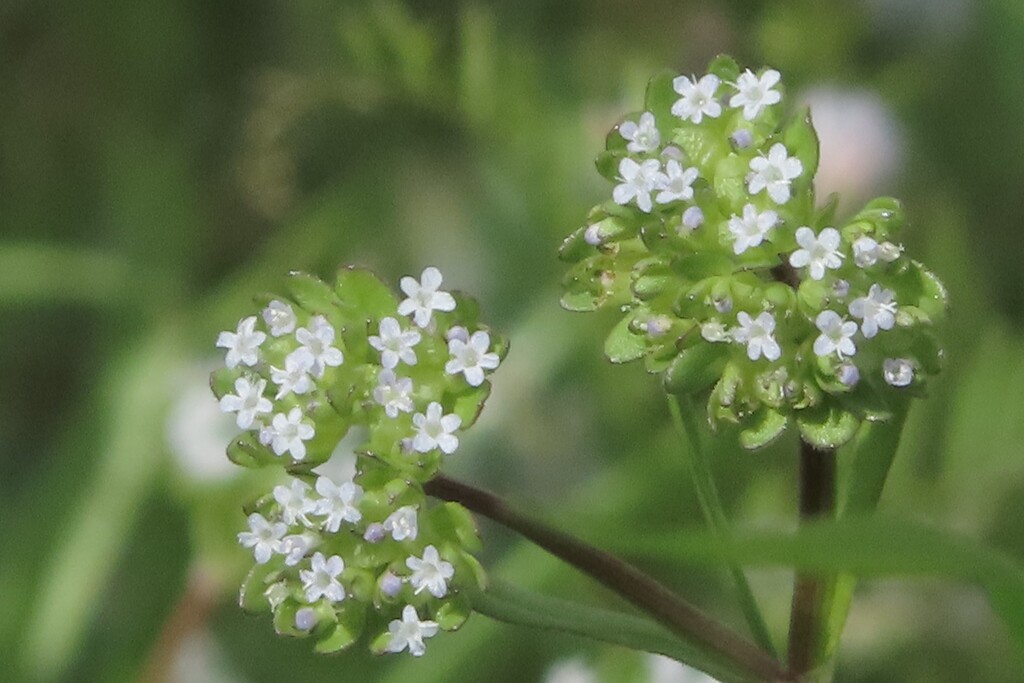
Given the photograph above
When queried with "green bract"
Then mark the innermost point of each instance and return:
(303, 373)
(734, 284)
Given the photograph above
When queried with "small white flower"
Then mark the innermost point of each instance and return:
(263, 537)
(321, 580)
(374, 533)
(296, 546)
(394, 393)
(305, 618)
(280, 318)
(339, 503)
(434, 430)
(472, 358)
(248, 401)
(750, 230)
(294, 378)
(742, 138)
(409, 632)
(898, 372)
(402, 524)
(424, 297)
(848, 374)
(818, 252)
(836, 335)
(876, 311)
(395, 344)
(757, 334)
(693, 218)
(714, 331)
(295, 502)
(889, 252)
(675, 183)
(638, 181)
(774, 173)
(289, 434)
(643, 138)
(754, 94)
(430, 573)
(390, 585)
(867, 252)
(592, 235)
(698, 98)
(243, 344)
(318, 340)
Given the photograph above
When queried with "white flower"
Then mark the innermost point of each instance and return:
(317, 339)
(435, 431)
(294, 378)
(424, 297)
(321, 580)
(280, 318)
(295, 502)
(750, 230)
(402, 523)
(774, 173)
(430, 573)
(898, 372)
(393, 393)
(698, 98)
(638, 181)
(714, 331)
(409, 632)
(472, 358)
(867, 252)
(675, 183)
(243, 344)
(247, 401)
(395, 344)
(338, 503)
(263, 537)
(693, 218)
(295, 547)
(277, 593)
(754, 94)
(877, 311)
(289, 432)
(836, 335)
(757, 334)
(818, 252)
(643, 138)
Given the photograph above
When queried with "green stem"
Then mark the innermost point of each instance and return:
(812, 592)
(679, 616)
(714, 515)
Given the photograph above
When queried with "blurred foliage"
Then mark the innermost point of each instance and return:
(160, 162)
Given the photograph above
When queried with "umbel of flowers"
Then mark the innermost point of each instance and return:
(335, 559)
(734, 283)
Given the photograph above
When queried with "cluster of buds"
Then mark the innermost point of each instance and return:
(734, 283)
(336, 559)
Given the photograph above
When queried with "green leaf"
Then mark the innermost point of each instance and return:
(607, 164)
(247, 451)
(251, 596)
(725, 67)
(469, 404)
(310, 293)
(802, 142)
(575, 248)
(827, 427)
(703, 147)
(454, 612)
(659, 99)
(622, 345)
(765, 426)
(362, 294)
(884, 216)
(696, 368)
(351, 620)
(730, 181)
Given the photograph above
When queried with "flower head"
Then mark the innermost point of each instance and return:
(243, 344)
(638, 181)
(409, 632)
(750, 230)
(424, 297)
(263, 536)
(755, 93)
(472, 358)
(434, 430)
(402, 524)
(318, 340)
(698, 98)
(877, 311)
(818, 252)
(758, 334)
(643, 138)
(394, 393)
(280, 318)
(675, 183)
(836, 335)
(395, 344)
(321, 579)
(248, 401)
(339, 503)
(294, 378)
(430, 573)
(289, 434)
(295, 502)
(774, 173)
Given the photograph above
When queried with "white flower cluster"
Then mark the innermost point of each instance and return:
(297, 376)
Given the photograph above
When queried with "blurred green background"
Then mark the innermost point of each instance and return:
(160, 162)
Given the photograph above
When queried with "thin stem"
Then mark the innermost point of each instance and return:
(679, 616)
(714, 515)
(811, 591)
